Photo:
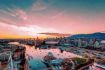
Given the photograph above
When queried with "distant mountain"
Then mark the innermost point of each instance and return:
(98, 35)
(56, 34)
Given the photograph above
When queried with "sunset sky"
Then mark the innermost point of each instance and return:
(28, 17)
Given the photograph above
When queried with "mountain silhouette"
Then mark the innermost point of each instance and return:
(98, 35)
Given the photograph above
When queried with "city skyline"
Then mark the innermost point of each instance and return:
(29, 17)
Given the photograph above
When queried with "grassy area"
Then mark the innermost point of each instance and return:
(79, 61)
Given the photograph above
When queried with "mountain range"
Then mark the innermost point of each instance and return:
(98, 35)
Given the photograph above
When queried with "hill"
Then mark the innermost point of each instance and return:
(97, 35)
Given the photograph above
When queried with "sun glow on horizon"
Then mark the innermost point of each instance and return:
(27, 18)
(12, 36)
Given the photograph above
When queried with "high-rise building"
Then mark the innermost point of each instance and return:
(90, 42)
(79, 43)
(96, 44)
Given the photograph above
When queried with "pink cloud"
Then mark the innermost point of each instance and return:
(30, 22)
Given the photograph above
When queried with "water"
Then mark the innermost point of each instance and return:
(35, 56)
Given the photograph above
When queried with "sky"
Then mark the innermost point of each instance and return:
(29, 17)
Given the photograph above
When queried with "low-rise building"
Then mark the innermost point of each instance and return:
(100, 65)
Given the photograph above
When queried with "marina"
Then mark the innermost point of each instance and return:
(55, 57)
(34, 57)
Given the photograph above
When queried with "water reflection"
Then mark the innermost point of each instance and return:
(35, 56)
(40, 53)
